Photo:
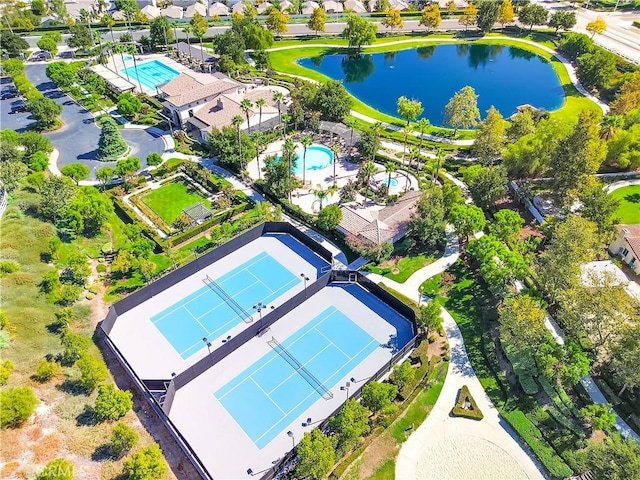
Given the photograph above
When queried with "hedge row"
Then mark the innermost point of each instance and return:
(216, 220)
(153, 216)
(459, 410)
(525, 374)
(123, 211)
(530, 433)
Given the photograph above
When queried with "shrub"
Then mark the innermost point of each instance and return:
(8, 266)
(111, 144)
(376, 395)
(601, 416)
(403, 374)
(16, 405)
(58, 469)
(147, 464)
(92, 372)
(466, 406)
(123, 439)
(128, 104)
(329, 217)
(154, 159)
(6, 367)
(46, 370)
(112, 404)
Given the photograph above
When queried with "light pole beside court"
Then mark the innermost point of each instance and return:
(346, 387)
(293, 440)
(305, 279)
(208, 343)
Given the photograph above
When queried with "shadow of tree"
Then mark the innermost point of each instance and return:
(72, 387)
(103, 453)
(87, 417)
(633, 198)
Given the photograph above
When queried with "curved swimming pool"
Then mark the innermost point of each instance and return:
(318, 157)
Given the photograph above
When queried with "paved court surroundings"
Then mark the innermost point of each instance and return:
(238, 386)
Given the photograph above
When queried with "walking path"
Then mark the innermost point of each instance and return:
(622, 183)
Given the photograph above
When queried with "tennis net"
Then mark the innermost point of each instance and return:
(304, 373)
(235, 306)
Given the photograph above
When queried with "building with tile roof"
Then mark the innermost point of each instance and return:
(626, 245)
(377, 226)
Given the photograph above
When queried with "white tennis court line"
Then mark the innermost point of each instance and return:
(266, 394)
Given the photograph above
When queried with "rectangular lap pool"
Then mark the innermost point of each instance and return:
(151, 74)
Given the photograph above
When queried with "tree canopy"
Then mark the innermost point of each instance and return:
(359, 31)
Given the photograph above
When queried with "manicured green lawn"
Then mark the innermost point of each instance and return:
(171, 199)
(406, 266)
(629, 198)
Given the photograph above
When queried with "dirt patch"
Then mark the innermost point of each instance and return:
(438, 347)
(378, 452)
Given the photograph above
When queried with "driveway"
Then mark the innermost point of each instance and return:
(77, 140)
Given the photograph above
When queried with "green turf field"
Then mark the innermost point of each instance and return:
(629, 209)
(169, 200)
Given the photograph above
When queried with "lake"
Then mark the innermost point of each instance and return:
(502, 76)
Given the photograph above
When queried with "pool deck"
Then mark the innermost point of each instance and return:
(116, 65)
(149, 352)
(219, 441)
(323, 178)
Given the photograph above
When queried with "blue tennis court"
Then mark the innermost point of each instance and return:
(207, 314)
(266, 397)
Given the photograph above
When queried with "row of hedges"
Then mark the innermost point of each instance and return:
(216, 220)
(459, 410)
(530, 433)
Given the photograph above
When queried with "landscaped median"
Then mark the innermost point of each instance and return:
(284, 58)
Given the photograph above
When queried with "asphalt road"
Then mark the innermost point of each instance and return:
(78, 139)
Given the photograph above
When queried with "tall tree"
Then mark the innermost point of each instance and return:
(467, 219)
(431, 17)
(599, 25)
(506, 13)
(462, 110)
(199, 27)
(486, 184)
(522, 324)
(317, 455)
(236, 121)
(306, 142)
(278, 98)
(409, 109)
(469, 15)
(563, 20)
(160, 32)
(427, 224)
(614, 459)
(76, 171)
(597, 68)
(577, 157)
(490, 138)
(625, 356)
(45, 111)
(245, 106)
(56, 196)
(359, 31)
(393, 19)
(317, 20)
(422, 126)
(533, 14)
(350, 423)
(488, 12)
(506, 225)
(277, 22)
(628, 97)
(573, 242)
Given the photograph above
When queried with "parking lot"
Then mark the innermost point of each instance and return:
(18, 121)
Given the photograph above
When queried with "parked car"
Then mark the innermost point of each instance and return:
(8, 93)
(19, 107)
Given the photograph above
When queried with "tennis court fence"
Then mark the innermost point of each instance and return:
(304, 373)
(235, 306)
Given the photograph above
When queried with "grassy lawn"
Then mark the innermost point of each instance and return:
(407, 266)
(171, 199)
(629, 198)
(285, 61)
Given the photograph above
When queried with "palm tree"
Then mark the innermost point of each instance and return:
(422, 126)
(288, 151)
(286, 118)
(175, 25)
(237, 121)
(610, 125)
(368, 169)
(187, 30)
(377, 130)
(245, 106)
(390, 167)
(260, 102)
(335, 149)
(439, 160)
(332, 189)
(258, 141)
(306, 141)
(278, 98)
(413, 153)
(321, 194)
(406, 130)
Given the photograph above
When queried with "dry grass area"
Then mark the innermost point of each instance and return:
(61, 426)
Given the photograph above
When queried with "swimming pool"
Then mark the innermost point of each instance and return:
(126, 58)
(318, 157)
(151, 74)
(393, 182)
